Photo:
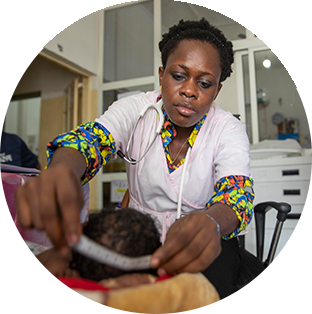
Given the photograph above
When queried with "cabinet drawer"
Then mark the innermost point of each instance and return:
(281, 173)
(294, 252)
(289, 192)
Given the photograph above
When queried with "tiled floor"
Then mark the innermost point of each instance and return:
(282, 298)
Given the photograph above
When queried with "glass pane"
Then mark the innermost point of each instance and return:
(128, 42)
(173, 11)
(23, 119)
(268, 14)
(118, 165)
(281, 113)
(112, 95)
(247, 96)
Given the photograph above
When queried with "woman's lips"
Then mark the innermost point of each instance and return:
(185, 109)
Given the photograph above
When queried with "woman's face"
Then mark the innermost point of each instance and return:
(190, 81)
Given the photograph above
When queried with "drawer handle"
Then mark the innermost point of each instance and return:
(290, 172)
(293, 216)
(291, 192)
(294, 249)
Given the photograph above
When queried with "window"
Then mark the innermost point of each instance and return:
(128, 42)
(284, 93)
(23, 119)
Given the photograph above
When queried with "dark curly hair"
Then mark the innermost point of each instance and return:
(198, 30)
(126, 231)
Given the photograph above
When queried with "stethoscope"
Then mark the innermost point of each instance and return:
(158, 107)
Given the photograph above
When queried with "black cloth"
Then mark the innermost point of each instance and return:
(15, 152)
(250, 267)
(223, 272)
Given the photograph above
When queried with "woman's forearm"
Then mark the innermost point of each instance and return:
(70, 157)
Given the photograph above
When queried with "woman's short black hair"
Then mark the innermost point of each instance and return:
(198, 30)
(126, 231)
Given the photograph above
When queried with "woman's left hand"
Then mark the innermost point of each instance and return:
(192, 244)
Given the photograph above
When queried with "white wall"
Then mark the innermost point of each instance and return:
(70, 23)
(227, 98)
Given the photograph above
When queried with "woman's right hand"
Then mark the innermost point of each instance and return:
(52, 202)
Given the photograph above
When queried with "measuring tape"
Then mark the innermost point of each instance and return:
(101, 254)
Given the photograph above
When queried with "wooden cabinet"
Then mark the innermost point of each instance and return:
(281, 180)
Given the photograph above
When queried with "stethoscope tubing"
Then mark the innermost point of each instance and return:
(158, 107)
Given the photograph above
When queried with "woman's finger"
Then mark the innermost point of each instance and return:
(188, 254)
(70, 202)
(179, 236)
(50, 215)
(33, 199)
(207, 257)
(23, 211)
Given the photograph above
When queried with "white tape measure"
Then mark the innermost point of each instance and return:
(101, 254)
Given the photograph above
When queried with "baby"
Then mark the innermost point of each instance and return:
(126, 231)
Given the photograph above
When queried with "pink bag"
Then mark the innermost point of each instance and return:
(10, 182)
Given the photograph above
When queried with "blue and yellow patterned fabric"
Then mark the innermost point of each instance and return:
(168, 133)
(236, 192)
(93, 140)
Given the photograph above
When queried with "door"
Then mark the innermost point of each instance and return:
(75, 109)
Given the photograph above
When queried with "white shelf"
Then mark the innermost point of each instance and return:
(112, 176)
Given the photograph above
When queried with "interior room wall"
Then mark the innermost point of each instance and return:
(227, 97)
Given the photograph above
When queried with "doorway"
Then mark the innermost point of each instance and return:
(46, 79)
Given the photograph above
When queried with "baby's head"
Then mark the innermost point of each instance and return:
(126, 231)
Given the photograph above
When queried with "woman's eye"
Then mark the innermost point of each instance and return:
(177, 76)
(204, 84)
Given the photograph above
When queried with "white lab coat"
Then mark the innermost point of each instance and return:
(220, 149)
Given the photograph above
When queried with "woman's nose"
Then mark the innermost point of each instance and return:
(189, 89)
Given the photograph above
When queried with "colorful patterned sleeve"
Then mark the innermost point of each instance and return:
(237, 192)
(93, 140)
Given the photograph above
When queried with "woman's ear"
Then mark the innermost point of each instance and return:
(218, 91)
(160, 74)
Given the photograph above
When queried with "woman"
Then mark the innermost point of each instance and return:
(217, 198)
